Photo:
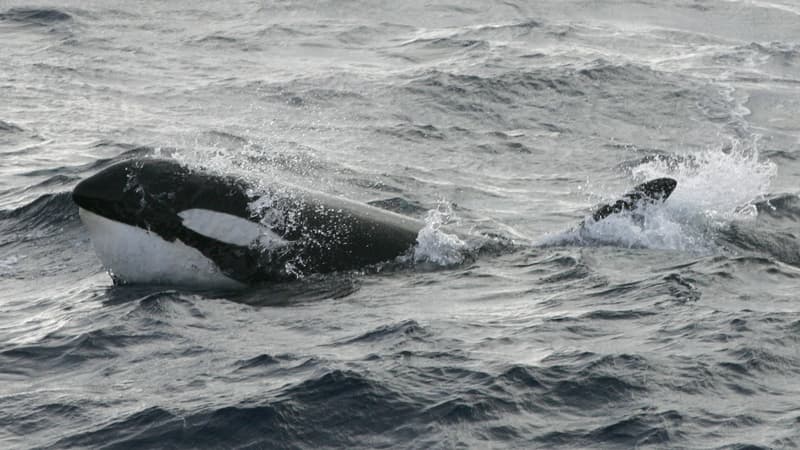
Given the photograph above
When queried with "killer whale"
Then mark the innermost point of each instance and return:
(157, 221)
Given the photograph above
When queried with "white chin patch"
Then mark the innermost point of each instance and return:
(230, 229)
(135, 255)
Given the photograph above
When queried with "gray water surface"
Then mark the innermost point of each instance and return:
(508, 120)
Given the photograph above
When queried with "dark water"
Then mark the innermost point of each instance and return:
(506, 119)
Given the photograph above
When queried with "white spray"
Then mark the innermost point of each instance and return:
(714, 188)
(435, 245)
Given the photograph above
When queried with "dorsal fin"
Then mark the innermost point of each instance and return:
(650, 192)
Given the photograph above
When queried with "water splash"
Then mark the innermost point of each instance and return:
(651, 226)
(722, 184)
(714, 188)
(436, 246)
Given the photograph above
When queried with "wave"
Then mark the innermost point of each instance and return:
(567, 80)
(403, 331)
(259, 361)
(783, 246)
(459, 91)
(33, 16)
(313, 412)
(780, 206)
(415, 398)
(639, 429)
(224, 42)
(217, 39)
(366, 35)
(56, 352)
(309, 289)
(445, 43)
(497, 98)
(48, 211)
(757, 54)
(8, 127)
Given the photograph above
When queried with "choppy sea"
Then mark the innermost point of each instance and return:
(507, 121)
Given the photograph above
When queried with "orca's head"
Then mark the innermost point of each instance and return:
(112, 192)
(150, 193)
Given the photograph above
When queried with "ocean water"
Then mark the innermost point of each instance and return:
(502, 124)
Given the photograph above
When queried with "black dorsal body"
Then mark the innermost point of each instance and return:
(652, 191)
